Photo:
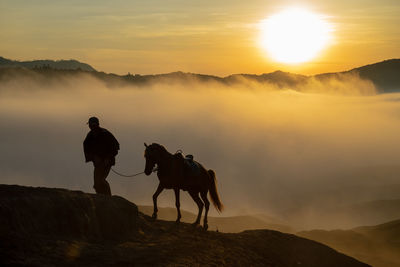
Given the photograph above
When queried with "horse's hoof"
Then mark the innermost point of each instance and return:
(154, 216)
(178, 221)
(195, 224)
(205, 226)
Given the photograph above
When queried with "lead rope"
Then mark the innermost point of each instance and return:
(136, 174)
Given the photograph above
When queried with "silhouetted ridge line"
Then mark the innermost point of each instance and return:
(384, 75)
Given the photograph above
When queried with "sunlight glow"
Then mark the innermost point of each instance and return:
(294, 35)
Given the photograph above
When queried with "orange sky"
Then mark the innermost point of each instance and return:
(212, 37)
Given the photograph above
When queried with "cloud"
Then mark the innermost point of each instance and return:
(273, 149)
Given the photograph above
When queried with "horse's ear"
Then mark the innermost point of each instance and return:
(145, 144)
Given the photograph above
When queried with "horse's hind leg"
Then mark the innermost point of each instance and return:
(158, 191)
(177, 204)
(196, 198)
(203, 195)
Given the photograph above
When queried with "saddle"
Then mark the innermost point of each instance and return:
(189, 164)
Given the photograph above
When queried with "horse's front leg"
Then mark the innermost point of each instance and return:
(155, 195)
(177, 204)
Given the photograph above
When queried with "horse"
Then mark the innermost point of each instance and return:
(174, 173)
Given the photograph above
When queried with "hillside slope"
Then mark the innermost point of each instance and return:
(377, 245)
(385, 75)
(48, 227)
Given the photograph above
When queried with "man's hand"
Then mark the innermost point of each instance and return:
(109, 161)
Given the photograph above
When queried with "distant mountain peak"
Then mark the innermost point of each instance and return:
(61, 64)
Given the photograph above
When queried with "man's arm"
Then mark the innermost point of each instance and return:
(87, 148)
(112, 143)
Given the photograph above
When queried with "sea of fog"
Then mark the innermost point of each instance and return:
(281, 152)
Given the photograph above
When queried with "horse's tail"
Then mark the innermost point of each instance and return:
(214, 193)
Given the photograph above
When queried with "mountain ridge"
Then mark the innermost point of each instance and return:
(385, 75)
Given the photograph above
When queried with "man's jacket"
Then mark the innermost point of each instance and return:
(100, 142)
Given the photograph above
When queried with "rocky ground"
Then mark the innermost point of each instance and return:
(58, 227)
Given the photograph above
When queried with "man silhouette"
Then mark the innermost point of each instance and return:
(100, 147)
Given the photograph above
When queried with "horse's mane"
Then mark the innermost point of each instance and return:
(160, 147)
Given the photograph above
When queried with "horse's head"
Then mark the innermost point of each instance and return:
(152, 154)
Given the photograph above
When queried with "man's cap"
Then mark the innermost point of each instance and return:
(93, 120)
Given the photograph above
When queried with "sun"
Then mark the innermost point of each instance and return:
(295, 35)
